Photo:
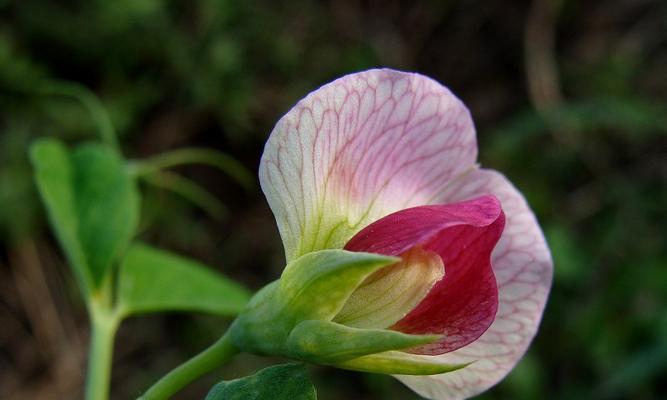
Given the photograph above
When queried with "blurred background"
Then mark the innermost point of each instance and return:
(570, 102)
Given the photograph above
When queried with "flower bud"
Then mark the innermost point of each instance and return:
(293, 317)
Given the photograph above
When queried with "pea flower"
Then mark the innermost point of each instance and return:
(403, 255)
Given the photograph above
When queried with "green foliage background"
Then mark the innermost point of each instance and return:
(570, 101)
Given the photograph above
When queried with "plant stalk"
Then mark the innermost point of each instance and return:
(100, 356)
(214, 356)
(183, 156)
(90, 101)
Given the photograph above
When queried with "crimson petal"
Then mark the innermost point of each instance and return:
(463, 304)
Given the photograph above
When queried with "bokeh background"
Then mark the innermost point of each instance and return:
(569, 99)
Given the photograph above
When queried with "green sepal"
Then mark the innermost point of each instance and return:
(291, 317)
(278, 382)
(400, 363)
(317, 285)
(261, 327)
(312, 287)
(330, 343)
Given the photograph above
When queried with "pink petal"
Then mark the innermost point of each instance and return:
(464, 303)
(523, 268)
(359, 148)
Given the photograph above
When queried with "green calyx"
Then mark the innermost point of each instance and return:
(400, 363)
(331, 343)
(292, 317)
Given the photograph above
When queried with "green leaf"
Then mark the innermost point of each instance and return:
(400, 363)
(329, 342)
(107, 203)
(54, 177)
(316, 285)
(279, 382)
(155, 280)
(92, 202)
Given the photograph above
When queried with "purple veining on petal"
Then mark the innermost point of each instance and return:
(359, 148)
(523, 268)
(379, 141)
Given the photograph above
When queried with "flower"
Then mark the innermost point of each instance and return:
(444, 267)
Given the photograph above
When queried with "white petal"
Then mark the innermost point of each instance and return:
(359, 148)
(523, 266)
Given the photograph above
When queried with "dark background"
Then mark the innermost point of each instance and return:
(570, 102)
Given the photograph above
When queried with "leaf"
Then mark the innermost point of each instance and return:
(92, 202)
(107, 203)
(155, 280)
(279, 382)
(329, 342)
(54, 177)
(317, 285)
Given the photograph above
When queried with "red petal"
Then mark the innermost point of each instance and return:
(463, 305)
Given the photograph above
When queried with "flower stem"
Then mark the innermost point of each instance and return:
(217, 354)
(100, 356)
(90, 101)
(189, 190)
(183, 156)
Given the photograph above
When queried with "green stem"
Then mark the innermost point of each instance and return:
(189, 190)
(90, 102)
(217, 354)
(212, 158)
(100, 356)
